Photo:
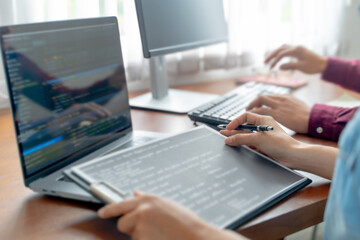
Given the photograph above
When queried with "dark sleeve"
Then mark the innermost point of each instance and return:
(343, 72)
(328, 121)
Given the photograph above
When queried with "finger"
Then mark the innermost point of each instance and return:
(90, 117)
(93, 109)
(282, 54)
(242, 139)
(73, 108)
(279, 97)
(232, 132)
(127, 223)
(137, 235)
(263, 111)
(263, 100)
(247, 117)
(100, 110)
(118, 209)
(254, 103)
(105, 110)
(137, 193)
(275, 52)
(290, 66)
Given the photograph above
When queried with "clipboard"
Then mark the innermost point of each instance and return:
(226, 186)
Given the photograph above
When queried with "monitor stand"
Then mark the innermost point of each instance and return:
(161, 98)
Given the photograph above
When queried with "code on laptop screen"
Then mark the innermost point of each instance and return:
(68, 88)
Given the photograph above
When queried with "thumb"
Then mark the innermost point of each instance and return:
(137, 193)
(263, 111)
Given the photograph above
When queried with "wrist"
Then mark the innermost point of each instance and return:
(211, 233)
(302, 156)
(203, 231)
(297, 154)
(323, 64)
(316, 159)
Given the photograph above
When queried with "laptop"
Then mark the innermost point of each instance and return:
(69, 99)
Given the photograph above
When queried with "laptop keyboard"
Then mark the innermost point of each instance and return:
(229, 106)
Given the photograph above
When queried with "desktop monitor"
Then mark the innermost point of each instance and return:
(169, 26)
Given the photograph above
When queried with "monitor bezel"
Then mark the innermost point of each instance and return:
(148, 53)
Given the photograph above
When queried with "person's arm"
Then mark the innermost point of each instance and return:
(329, 121)
(343, 72)
(321, 121)
(306, 60)
(281, 147)
(316, 159)
(286, 109)
(155, 218)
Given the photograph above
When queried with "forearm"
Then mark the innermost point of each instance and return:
(343, 72)
(316, 159)
(211, 233)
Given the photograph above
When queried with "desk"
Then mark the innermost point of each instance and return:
(28, 215)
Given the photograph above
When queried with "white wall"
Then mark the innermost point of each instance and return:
(349, 34)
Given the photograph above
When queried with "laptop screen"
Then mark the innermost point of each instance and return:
(67, 86)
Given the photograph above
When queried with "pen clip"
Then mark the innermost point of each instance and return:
(222, 126)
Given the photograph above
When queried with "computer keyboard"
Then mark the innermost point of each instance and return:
(229, 106)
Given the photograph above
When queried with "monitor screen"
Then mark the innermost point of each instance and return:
(68, 88)
(168, 26)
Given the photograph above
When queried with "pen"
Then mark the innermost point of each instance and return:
(260, 128)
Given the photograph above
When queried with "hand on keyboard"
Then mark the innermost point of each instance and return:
(286, 109)
(307, 61)
(229, 106)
